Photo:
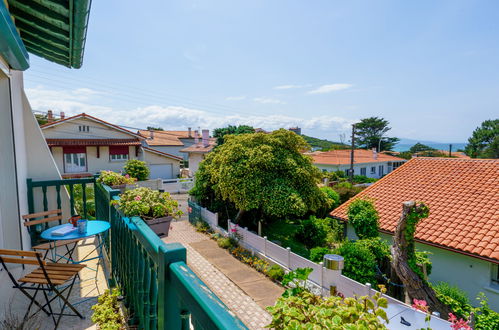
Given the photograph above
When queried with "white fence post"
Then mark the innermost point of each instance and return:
(289, 257)
(216, 219)
(265, 245)
(322, 277)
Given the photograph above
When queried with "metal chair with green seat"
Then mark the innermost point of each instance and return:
(42, 219)
(46, 278)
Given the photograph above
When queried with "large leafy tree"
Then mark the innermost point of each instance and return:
(484, 142)
(419, 147)
(262, 172)
(220, 133)
(370, 130)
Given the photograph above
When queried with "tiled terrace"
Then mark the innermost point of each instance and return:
(83, 296)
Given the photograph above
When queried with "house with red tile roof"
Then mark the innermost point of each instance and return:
(198, 151)
(462, 230)
(83, 145)
(171, 142)
(366, 162)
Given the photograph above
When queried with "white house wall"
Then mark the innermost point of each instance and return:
(154, 159)
(70, 130)
(194, 161)
(356, 168)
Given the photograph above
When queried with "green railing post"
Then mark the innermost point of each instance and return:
(31, 200)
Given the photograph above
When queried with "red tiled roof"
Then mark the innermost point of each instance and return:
(84, 115)
(463, 197)
(92, 142)
(342, 157)
(165, 138)
(162, 153)
(199, 148)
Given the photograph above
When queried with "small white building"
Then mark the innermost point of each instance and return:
(462, 230)
(84, 145)
(197, 152)
(366, 162)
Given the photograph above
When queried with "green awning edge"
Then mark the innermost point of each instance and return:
(12, 48)
(81, 14)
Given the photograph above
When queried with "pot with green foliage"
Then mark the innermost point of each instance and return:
(155, 208)
(115, 180)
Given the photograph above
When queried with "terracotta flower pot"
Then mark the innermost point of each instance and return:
(161, 226)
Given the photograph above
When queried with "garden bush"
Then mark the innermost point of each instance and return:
(360, 262)
(106, 314)
(486, 318)
(111, 178)
(378, 247)
(363, 179)
(308, 311)
(202, 226)
(346, 191)
(275, 272)
(318, 253)
(224, 242)
(332, 201)
(364, 218)
(313, 232)
(137, 169)
(453, 297)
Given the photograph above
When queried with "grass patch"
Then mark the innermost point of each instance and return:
(284, 231)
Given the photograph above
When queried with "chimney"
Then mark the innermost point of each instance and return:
(63, 115)
(50, 116)
(375, 153)
(196, 137)
(190, 131)
(151, 134)
(206, 136)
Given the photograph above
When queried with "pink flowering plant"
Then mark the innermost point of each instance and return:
(111, 178)
(458, 324)
(147, 204)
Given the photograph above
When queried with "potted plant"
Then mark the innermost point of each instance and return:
(115, 180)
(155, 208)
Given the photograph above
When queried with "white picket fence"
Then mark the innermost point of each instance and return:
(178, 186)
(322, 278)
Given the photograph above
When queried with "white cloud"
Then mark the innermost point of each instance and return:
(330, 88)
(266, 100)
(77, 101)
(235, 98)
(289, 86)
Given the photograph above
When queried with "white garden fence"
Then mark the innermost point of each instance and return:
(178, 186)
(322, 278)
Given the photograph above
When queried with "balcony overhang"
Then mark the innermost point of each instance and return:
(12, 49)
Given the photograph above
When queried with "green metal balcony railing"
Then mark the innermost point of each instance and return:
(160, 290)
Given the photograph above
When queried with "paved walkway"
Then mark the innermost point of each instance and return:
(241, 288)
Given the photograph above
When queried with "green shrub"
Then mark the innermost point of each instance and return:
(313, 232)
(318, 253)
(486, 318)
(422, 258)
(360, 262)
(346, 191)
(363, 179)
(454, 292)
(107, 313)
(224, 242)
(332, 201)
(147, 204)
(377, 246)
(364, 218)
(137, 169)
(308, 311)
(202, 226)
(275, 272)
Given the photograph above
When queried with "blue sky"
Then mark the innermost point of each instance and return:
(430, 67)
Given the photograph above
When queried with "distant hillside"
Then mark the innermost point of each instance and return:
(320, 144)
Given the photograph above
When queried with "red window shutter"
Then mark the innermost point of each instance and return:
(118, 150)
(74, 149)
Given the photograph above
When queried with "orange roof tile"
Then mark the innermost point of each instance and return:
(199, 148)
(463, 197)
(342, 157)
(165, 138)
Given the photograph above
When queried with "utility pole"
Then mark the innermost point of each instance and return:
(450, 150)
(351, 153)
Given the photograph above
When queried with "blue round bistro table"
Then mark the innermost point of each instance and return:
(94, 228)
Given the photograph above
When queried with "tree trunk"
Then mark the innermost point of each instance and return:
(415, 287)
(239, 216)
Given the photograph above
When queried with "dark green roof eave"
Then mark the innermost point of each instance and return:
(53, 29)
(12, 48)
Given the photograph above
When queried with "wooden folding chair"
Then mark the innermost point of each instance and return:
(45, 278)
(40, 221)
